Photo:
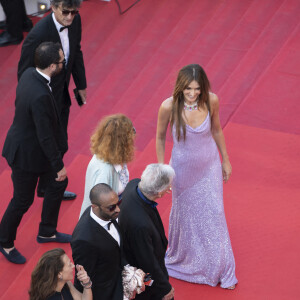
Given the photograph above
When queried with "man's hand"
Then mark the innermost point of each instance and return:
(61, 175)
(82, 94)
(169, 296)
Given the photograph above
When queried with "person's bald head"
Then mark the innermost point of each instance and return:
(105, 202)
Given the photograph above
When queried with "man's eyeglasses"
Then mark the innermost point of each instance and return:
(66, 12)
(114, 206)
(61, 62)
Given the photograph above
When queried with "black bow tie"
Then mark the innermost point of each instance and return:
(63, 28)
(111, 222)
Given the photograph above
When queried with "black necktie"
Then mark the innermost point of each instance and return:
(63, 28)
(108, 225)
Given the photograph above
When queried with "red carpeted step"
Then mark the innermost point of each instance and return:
(277, 87)
(140, 84)
(157, 70)
(202, 48)
(102, 103)
(250, 51)
(149, 41)
(263, 51)
(117, 43)
(240, 41)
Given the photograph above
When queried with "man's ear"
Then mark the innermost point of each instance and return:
(94, 206)
(52, 67)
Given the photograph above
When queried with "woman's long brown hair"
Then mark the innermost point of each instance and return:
(44, 277)
(185, 76)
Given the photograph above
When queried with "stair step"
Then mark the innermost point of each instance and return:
(263, 52)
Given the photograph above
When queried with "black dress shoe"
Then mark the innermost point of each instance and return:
(59, 238)
(7, 39)
(2, 25)
(67, 195)
(14, 256)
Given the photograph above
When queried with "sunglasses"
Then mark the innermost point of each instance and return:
(114, 206)
(66, 12)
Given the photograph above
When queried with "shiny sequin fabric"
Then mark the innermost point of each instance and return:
(199, 244)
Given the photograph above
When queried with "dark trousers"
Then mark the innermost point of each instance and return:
(24, 184)
(15, 16)
(64, 118)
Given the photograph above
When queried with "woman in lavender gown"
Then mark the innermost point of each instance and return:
(199, 244)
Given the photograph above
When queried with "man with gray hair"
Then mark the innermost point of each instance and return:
(145, 243)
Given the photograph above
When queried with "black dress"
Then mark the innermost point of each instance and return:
(65, 294)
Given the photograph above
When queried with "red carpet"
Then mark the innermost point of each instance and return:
(250, 50)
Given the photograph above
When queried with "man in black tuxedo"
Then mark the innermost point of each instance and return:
(33, 147)
(97, 244)
(63, 25)
(145, 243)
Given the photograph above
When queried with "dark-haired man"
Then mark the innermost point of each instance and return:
(63, 26)
(97, 244)
(33, 148)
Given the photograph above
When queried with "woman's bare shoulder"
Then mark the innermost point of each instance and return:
(213, 100)
(167, 104)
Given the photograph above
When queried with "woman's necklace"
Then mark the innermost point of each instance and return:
(190, 107)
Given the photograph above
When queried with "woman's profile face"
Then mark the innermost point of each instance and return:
(192, 92)
(67, 271)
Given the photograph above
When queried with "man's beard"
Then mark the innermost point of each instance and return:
(56, 71)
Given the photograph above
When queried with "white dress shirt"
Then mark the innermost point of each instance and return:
(64, 37)
(112, 229)
(46, 77)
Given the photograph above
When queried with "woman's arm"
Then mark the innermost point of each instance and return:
(87, 285)
(163, 120)
(218, 136)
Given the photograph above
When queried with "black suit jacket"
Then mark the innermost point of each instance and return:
(101, 256)
(145, 243)
(35, 141)
(45, 31)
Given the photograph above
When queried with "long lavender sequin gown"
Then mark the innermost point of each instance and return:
(199, 244)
